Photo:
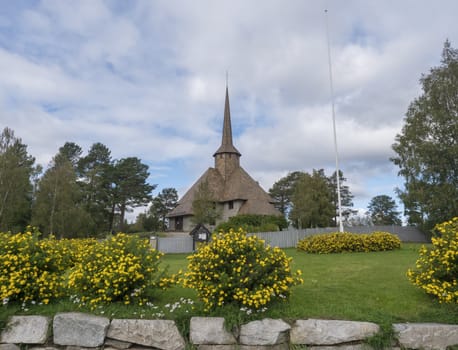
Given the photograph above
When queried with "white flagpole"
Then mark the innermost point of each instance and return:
(339, 205)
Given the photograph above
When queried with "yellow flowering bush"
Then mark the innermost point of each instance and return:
(32, 269)
(337, 242)
(437, 268)
(121, 268)
(238, 269)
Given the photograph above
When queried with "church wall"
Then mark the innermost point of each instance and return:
(181, 223)
(188, 225)
(227, 212)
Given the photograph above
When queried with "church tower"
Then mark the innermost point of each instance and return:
(234, 191)
(227, 157)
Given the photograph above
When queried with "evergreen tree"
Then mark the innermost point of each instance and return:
(346, 197)
(282, 191)
(382, 210)
(312, 204)
(427, 147)
(70, 152)
(16, 170)
(94, 170)
(128, 189)
(165, 202)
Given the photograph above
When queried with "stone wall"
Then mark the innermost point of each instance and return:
(75, 331)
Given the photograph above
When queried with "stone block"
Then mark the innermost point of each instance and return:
(9, 347)
(161, 334)
(218, 347)
(265, 332)
(209, 331)
(117, 344)
(283, 346)
(342, 347)
(330, 332)
(426, 336)
(78, 329)
(26, 330)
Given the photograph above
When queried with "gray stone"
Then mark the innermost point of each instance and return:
(210, 331)
(329, 332)
(78, 329)
(26, 330)
(73, 347)
(9, 347)
(122, 345)
(217, 347)
(283, 346)
(426, 335)
(265, 332)
(341, 347)
(161, 334)
(43, 348)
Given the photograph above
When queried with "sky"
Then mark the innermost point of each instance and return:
(147, 79)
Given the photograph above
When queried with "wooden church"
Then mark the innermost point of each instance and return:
(234, 190)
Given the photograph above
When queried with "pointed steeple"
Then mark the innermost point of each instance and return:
(226, 143)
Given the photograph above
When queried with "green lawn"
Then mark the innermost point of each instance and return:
(353, 286)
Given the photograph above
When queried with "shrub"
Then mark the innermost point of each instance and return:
(437, 268)
(32, 269)
(236, 269)
(337, 242)
(121, 268)
(254, 223)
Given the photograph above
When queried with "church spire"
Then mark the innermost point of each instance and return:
(226, 143)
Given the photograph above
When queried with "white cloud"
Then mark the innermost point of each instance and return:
(147, 79)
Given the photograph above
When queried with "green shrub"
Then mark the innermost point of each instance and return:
(120, 268)
(337, 242)
(437, 268)
(236, 269)
(254, 223)
(32, 269)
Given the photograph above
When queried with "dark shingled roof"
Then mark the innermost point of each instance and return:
(239, 186)
(226, 142)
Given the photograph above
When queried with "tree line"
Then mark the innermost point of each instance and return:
(89, 194)
(78, 195)
(310, 200)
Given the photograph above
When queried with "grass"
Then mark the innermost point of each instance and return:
(351, 286)
(364, 286)
(355, 286)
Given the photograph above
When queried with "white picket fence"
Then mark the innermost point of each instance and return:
(289, 239)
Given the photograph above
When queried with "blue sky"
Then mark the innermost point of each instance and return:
(147, 79)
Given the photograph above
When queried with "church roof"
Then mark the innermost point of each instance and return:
(226, 143)
(239, 186)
